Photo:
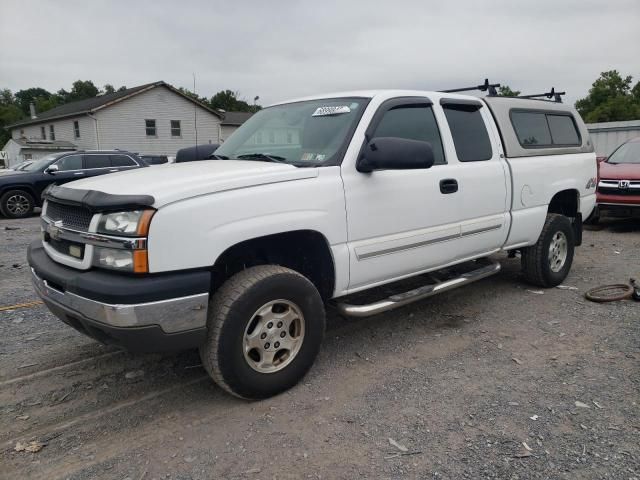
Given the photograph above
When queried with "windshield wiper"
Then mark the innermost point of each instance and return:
(263, 157)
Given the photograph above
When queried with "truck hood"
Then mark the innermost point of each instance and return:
(178, 181)
(619, 171)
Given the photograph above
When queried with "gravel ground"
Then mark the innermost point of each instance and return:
(495, 380)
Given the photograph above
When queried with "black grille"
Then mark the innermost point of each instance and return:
(76, 218)
(618, 191)
(71, 249)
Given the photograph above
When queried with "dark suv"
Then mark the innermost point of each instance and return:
(20, 190)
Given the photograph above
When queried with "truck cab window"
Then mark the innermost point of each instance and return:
(469, 132)
(413, 122)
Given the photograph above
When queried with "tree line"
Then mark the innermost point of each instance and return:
(611, 98)
(15, 106)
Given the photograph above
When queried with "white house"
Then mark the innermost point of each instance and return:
(231, 122)
(154, 119)
(22, 149)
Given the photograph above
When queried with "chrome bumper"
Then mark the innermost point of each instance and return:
(173, 315)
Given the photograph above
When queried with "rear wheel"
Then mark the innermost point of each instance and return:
(265, 327)
(17, 204)
(547, 263)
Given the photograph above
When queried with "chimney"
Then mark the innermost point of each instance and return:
(32, 109)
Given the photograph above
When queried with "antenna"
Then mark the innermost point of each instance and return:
(195, 113)
(556, 96)
(485, 87)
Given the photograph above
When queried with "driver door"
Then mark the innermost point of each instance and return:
(401, 222)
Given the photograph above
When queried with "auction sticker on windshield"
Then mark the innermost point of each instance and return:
(331, 110)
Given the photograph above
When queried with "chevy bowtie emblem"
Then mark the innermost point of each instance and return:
(54, 229)
(624, 184)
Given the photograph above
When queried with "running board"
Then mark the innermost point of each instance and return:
(401, 299)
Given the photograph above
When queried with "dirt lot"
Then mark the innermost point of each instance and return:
(462, 381)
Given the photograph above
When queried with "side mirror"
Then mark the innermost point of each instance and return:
(391, 153)
(51, 169)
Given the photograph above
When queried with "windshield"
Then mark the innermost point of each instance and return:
(627, 153)
(307, 133)
(41, 164)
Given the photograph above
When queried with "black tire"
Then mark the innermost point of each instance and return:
(535, 260)
(17, 204)
(231, 309)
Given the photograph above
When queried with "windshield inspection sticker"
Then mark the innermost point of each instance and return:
(325, 111)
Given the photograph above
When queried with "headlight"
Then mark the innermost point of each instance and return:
(133, 223)
(131, 256)
(134, 261)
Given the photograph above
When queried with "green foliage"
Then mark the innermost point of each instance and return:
(108, 88)
(228, 101)
(30, 95)
(505, 91)
(611, 99)
(81, 90)
(10, 113)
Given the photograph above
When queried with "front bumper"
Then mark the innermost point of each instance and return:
(153, 313)
(619, 210)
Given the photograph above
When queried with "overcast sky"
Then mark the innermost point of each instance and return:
(283, 49)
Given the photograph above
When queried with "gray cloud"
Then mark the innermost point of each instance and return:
(285, 49)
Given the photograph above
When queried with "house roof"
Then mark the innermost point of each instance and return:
(235, 118)
(90, 105)
(37, 144)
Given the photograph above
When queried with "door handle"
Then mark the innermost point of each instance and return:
(114, 170)
(79, 173)
(448, 185)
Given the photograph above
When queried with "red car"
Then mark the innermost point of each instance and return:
(618, 193)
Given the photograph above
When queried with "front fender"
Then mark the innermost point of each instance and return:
(195, 232)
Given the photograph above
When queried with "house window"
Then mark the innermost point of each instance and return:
(43, 133)
(272, 137)
(52, 133)
(150, 126)
(289, 137)
(175, 128)
(76, 129)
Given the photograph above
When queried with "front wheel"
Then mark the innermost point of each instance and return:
(17, 204)
(547, 263)
(265, 327)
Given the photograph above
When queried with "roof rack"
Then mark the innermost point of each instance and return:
(556, 96)
(485, 87)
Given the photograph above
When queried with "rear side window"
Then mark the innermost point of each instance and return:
(469, 132)
(539, 129)
(413, 122)
(97, 161)
(122, 161)
(563, 130)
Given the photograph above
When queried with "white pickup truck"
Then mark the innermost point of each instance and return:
(307, 203)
